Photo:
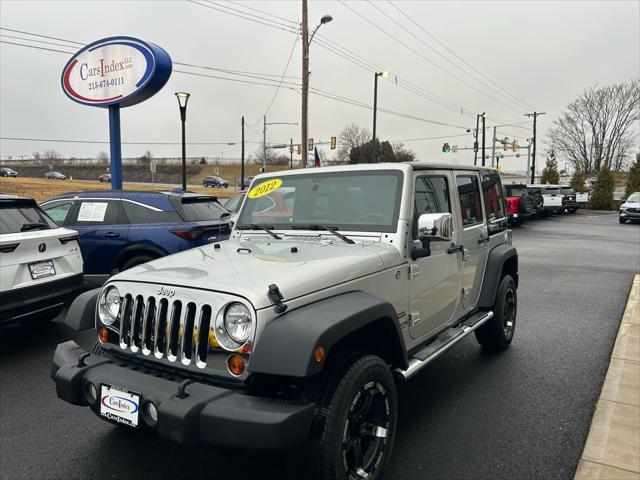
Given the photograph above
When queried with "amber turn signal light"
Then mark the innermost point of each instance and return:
(103, 335)
(319, 353)
(235, 364)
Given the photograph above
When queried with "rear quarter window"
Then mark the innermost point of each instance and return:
(100, 212)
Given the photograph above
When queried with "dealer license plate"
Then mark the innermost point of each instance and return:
(119, 405)
(42, 269)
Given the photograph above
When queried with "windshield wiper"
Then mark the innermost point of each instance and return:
(34, 226)
(255, 226)
(333, 230)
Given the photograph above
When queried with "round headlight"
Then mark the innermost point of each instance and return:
(237, 322)
(109, 305)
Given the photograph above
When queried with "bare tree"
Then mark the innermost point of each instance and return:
(597, 128)
(102, 157)
(352, 136)
(51, 156)
(402, 153)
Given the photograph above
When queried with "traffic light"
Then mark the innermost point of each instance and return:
(475, 147)
(333, 143)
(446, 148)
(291, 149)
(299, 149)
(311, 144)
(514, 146)
(505, 142)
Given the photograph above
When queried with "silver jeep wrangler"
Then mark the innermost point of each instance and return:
(337, 284)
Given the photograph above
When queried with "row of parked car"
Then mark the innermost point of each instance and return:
(541, 200)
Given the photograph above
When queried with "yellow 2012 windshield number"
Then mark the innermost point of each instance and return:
(265, 188)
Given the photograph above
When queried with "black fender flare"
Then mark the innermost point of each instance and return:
(138, 248)
(287, 343)
(498, 257)
(82, 312)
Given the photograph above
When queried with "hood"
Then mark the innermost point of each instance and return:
(630, 205)
(248, 267)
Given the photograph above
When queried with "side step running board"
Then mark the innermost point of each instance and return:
(442, 343)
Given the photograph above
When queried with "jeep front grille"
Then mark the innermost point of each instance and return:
(175, 329)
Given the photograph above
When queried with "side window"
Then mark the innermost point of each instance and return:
(233, 205)
(494, 206)
(470, 204)
(431, 196)
(100, 212)
(141, 214)
(58, 211)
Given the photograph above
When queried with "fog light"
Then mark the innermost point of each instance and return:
(319, 353)
(235, 364)
(90, 393)
(152, 413)
(103, 335)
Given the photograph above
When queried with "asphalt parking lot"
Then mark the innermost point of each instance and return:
(524, 413)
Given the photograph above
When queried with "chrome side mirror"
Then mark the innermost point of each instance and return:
(435, 226)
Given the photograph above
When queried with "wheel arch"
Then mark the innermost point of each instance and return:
(503, 260)
(349, 320)
(131, 251)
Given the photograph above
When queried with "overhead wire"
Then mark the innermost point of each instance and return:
(456, 55)
(428, 60)
(444, 57)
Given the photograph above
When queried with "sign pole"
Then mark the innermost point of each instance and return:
(115, 148)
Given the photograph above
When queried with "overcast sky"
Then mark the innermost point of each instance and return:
(541, 53)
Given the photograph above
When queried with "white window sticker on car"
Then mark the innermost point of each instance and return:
(92, 211)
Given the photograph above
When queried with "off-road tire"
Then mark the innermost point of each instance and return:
(497, 333)
(136, 260)
(355, 381)
(527, 204)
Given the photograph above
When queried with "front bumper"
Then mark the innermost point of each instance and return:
(20, 304)
(627, 215)
(205, 415)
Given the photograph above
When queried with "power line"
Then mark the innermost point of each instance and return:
(32, 40)
(273, 98)
(444, 57)
(455, 54)
(408, 47)
(272, 25)
(36, 47)
(263, 12)
(63, 140)
(38, 35)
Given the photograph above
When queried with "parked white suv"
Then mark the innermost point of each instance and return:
(40, 263)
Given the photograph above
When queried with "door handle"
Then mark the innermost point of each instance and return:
(111, 235)
(456, 249)
(483, 240)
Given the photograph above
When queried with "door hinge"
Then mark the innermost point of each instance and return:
(414, 271)
(465, 293)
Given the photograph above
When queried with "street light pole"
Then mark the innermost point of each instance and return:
(306, 43)
(533, 157)
(183, 98)
(242, 158)
(483, 141)
(384, 74)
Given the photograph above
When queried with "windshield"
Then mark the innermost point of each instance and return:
(550, 190)
(634, 198)
(366, 201)
(566, 190)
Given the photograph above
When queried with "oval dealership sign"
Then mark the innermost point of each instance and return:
(116, 70)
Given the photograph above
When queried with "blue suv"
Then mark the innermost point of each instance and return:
(119, 229)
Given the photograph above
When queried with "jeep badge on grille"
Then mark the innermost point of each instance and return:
(166, 292)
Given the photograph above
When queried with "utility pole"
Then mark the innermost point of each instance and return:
(475, 143)
(533, 158)
(483, 141)
(375, 108)
(305, 82)
(242, 158)
(264, 144)
(291, 154)
(493, 147)
(528, 158)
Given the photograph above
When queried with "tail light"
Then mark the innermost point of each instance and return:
(8, 247)
(513, 204)
(188, 234)
(70, 238)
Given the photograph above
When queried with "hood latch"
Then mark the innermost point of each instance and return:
(276, 298)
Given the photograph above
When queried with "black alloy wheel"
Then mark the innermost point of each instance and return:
(355, 423)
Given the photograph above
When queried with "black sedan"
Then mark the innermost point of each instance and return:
(8, 172)
(215, 182)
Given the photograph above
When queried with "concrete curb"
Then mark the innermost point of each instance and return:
(612, 450)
